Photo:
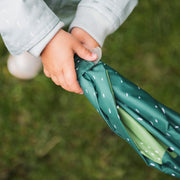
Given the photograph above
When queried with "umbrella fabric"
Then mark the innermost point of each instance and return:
(151, 128)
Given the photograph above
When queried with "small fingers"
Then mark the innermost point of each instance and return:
(47, 74)
(59, 80)
(67, 79)
(71, 80)
(84, 53)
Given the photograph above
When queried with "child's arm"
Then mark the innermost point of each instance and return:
(31, 26)
(27, 25)
(100, 18)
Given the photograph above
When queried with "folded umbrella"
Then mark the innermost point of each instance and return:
(150, 127)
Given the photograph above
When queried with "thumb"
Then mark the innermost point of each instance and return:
(84, 53)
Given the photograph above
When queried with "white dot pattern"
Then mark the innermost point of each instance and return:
(140, 119)
(163, 110)
(152, 164)
(147, 149)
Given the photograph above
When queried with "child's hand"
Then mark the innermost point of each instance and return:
(58, 60)
(84, 38)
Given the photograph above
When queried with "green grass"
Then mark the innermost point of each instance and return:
(47, 133)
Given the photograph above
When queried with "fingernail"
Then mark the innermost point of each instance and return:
(93, 55)
(81, 93)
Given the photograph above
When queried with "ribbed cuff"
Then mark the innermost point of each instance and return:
(93, 23)
(38, 48)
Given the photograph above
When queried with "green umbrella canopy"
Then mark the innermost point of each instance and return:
(150, 127)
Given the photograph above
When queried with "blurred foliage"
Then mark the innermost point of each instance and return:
(48, 133)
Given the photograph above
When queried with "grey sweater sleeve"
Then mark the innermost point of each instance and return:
(25, 23)
(100, 18)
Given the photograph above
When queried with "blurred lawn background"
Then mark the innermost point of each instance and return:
(48, 133)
